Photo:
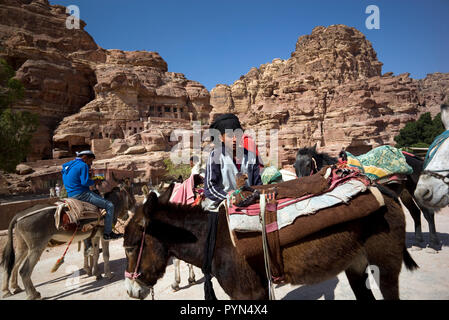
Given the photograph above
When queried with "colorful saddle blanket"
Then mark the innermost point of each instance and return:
(293, 212)
(247, 219)
(380, 162)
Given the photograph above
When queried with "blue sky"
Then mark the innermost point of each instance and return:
(218, 41)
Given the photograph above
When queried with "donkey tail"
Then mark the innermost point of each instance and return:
(9, 257)
(410, 264)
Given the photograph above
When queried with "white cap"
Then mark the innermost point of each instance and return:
(85, 152)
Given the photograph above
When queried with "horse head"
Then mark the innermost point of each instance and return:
(433, 185)
(147, 243)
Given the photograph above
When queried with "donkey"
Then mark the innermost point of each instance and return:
(176, 262)
(158, 231)
(433, 185)
(33, 232)
(309, 161)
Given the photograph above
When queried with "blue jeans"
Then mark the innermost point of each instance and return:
(98, 201)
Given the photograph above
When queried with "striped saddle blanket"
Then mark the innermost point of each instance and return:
(71, 212)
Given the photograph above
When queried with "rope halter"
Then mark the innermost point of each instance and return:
(134, 275)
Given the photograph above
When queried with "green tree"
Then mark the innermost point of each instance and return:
(420, 133)
(11, 89)
(174, 171)
(16, 128)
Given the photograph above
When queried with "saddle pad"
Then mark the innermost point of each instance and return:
(249, 244)
(79, 210)
(247, 220)
(380, 162)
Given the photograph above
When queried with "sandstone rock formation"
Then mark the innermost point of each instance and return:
(52, 62)
(87, 97)
(23, 169)
(136, 99)
(332, 93)
(126, 105)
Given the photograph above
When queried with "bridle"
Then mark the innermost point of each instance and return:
(314, 167)
(134, 275)
(127, 195)
(433, 173)
(431, 153)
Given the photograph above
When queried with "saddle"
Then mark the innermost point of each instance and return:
(72, 214)
(280, 235)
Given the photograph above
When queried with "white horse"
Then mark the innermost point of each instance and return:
(433, 185)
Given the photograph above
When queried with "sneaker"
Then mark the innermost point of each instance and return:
(112, 236)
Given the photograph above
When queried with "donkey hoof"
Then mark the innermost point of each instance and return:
(99, 277)
(17, 290)
(7, 294)
(175, 287)
(435, 245)
(109, 276)
(36, 296)
(431, 250)
(192, 281)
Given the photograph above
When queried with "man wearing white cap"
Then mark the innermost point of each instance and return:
(75, 175)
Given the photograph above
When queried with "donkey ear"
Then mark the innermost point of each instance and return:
(145, 190)
(165, 196)
(150, 204)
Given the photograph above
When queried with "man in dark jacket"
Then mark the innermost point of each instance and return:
(226, 160)
(75, 175)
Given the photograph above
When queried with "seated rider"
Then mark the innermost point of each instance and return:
(222, 168)
(75, 176)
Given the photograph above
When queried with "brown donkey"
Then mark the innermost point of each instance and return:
(161, 230)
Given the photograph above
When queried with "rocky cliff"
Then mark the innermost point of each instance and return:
(124, 105)
(331, 92)
(83, 92)
(54, 63)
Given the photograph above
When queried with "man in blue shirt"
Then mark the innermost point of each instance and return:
(75, 175)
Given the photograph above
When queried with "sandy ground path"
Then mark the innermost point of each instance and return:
(70, 282)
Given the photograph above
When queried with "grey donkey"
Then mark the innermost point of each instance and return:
(33, 233)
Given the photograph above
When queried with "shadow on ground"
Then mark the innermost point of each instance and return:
(314, 292)
(117, 268)
(410, 237)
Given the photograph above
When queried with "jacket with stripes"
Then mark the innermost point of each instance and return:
(220, 174)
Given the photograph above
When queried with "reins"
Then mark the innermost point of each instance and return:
(134, 275)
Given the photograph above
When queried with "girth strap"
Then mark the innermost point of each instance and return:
(274, 247)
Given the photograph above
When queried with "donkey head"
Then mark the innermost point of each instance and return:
(125, 201)
(306, 162)
(433, 185)
(147, 242)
